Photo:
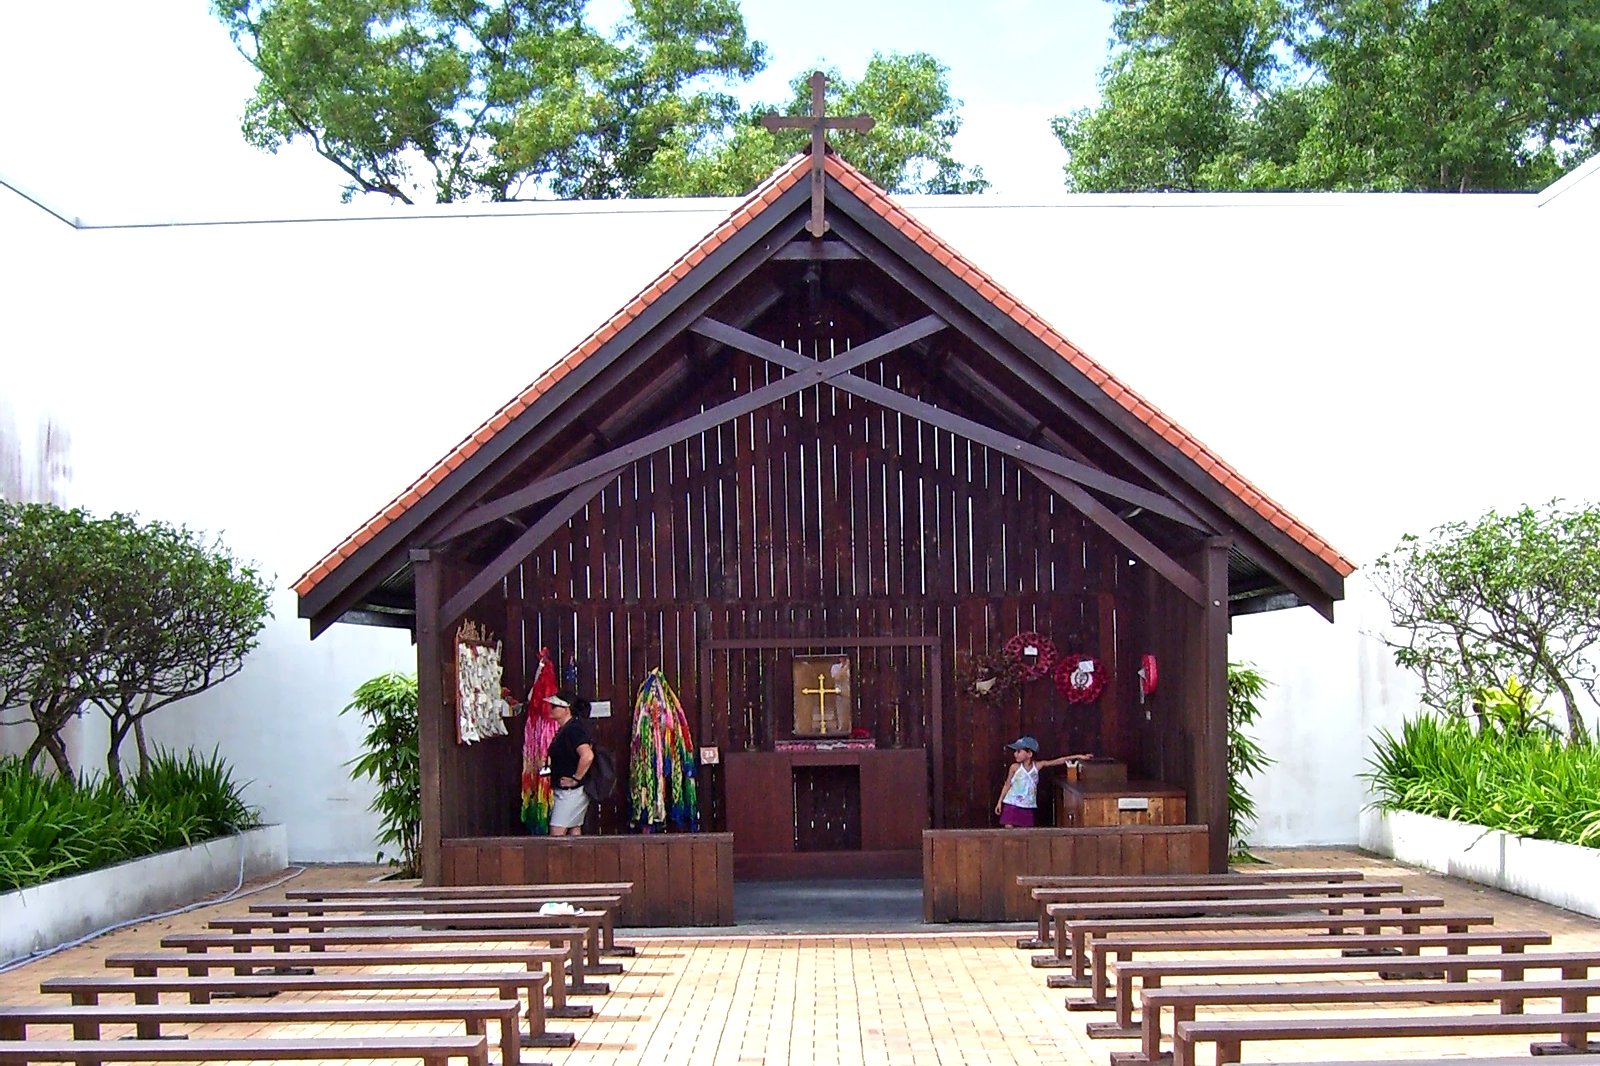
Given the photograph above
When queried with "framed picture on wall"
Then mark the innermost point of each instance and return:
(823, 696)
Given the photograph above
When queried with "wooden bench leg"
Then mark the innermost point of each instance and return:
(1182, 1049)
(538, 1035)
(475, 1027)
(1229, 1052)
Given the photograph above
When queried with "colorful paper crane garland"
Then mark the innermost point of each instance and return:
(541, 730)
(662, 768)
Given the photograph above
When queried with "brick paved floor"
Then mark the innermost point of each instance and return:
(940, 996)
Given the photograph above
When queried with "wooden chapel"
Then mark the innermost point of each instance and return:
(822, 443)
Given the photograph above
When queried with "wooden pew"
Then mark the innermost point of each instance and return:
(575, 940)
(150, 1017)
(1045, 895)
(1063, 913)
(608, 905)
(1083, 932)
(1029, 882)
(199, 964)
(1572, 1031)
(526, 921)
(1511, 966)
(432, 1050)
(1124, 949)
(563, 892)
(87, 990)
(1183, 1001)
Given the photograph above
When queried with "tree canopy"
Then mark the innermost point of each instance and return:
(499, 99)
(907, 151)
(1507, 607)
(118, 614)
(1448, 95)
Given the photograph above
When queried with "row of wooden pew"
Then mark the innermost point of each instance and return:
(1308, 940)
(325, 944)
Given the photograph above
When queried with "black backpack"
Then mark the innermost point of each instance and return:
(601, 780)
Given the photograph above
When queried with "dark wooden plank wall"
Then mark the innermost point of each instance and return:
(825, 516)
(971, 875)
(678, 879)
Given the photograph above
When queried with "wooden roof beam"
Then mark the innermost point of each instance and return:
(808, 372)
(860, 227)
(553, 414)
(495, 571)
(1142, 548)
(1018, 449)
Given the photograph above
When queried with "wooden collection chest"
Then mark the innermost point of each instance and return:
(1080, 805)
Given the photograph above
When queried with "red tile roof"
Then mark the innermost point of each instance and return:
(875, 198)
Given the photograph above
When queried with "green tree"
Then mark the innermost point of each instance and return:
(1487, 608)
(423, 99)
(494, 99)
(1452, 95)
(112, 613)
(181, 617)
(907, 151)
(53, 565)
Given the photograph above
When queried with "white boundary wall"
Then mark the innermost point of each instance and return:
(1377, 364)
(56, 912)
(1565, 875)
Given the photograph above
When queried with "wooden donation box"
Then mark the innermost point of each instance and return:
(1097, 792)
(827, 809)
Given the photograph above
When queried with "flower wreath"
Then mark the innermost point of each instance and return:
(1036, 666)
(1076, 684)
(988, 676)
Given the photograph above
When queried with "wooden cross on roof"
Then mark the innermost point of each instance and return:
(819, 123)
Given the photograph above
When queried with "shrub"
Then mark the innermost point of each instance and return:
(1531, 785)
(1245, 754)
(52, 826)
(388, 705)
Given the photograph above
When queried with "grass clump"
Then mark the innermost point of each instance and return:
(1528, 784)
(52, 827)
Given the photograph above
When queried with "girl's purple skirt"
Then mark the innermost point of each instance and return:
(1018, 817)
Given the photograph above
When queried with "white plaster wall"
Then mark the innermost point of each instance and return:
(1378, 365)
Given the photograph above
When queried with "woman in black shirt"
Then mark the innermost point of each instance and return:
(571, 755)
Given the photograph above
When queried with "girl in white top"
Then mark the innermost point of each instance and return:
(1018, 804)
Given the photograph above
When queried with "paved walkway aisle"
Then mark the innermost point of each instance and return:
(940, 997)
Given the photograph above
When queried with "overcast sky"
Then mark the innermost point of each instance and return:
(121, 111)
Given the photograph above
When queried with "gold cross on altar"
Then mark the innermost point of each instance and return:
(822, 692)
(819, 123)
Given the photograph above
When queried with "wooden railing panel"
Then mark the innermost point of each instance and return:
(969, 875)
(678, 878)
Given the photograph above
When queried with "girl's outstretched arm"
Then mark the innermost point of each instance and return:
(1063, 759)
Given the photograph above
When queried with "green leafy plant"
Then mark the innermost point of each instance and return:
(1531, 785)
(53, 826)
(1506, 596)
(1246, 685)
(388, 706)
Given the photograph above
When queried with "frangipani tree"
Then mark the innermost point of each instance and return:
(1507, 604)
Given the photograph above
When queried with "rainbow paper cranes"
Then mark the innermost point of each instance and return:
(541, 730)
(662, 768)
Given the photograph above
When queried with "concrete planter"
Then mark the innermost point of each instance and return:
(56, 912)
(1565, 875)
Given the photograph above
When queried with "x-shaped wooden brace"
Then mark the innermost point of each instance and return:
(581, 482)
(1064, 476)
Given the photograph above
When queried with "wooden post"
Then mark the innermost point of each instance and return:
(1206, 651)
(432, 735)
